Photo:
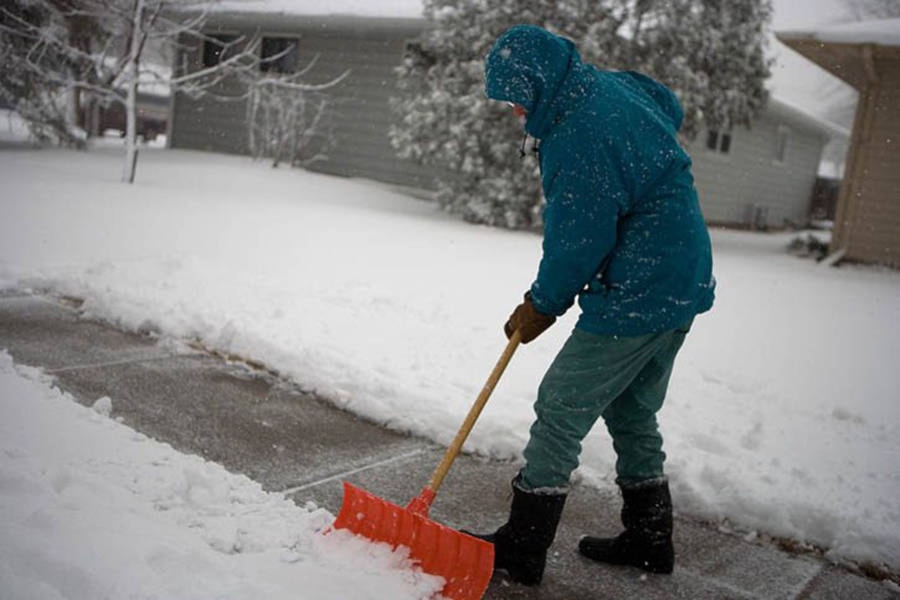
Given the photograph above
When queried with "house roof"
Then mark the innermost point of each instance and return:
(392, 9)
(407, 14)
(885, 32)
(848, 51)
(803, 117)
(278, 15)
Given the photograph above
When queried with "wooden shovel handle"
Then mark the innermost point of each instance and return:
(437, 478)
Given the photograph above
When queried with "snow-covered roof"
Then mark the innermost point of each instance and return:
(801, 115)
(405, 9)
(885, 32)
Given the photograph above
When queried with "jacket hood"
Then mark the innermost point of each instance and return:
(544, 73)
(527, 66)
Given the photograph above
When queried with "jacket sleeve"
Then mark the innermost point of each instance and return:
(584, 199)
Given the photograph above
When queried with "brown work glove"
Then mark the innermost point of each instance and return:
(528, 321)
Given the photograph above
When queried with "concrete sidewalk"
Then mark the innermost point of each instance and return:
(253, 423)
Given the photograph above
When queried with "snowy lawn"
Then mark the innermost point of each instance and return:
(782, 415)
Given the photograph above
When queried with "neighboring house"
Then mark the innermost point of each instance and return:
(369, 47)
(867, 56)
(761, 177)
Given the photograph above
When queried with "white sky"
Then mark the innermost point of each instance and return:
(794, 78)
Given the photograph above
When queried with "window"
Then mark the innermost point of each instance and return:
(781, 143)
(718, 142)
(279, 55)
(217, 48)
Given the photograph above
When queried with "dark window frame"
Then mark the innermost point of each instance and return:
(718, 141)
(217, 48)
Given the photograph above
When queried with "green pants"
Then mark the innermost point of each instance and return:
(622, 379)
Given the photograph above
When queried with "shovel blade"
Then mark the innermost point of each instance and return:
(465, 562)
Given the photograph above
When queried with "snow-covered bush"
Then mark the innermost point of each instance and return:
(812, 245)
(287, 123)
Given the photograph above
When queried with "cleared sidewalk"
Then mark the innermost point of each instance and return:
(270, 430)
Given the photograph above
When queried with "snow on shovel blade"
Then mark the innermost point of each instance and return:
(465, 562)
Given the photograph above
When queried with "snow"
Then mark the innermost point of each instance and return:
(885, 32)
(97, 510)
(13, 128)
(805, 116)
(782, 415)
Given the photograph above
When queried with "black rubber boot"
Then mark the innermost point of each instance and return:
(646, 542)
(520, 546)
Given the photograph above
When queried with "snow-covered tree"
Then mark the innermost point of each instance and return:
(63, 57)
(27, 59)
(711, 52)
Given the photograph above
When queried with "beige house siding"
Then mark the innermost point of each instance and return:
(865, 55)
(749, 186)
(869, 206)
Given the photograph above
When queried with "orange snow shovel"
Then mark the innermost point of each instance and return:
(465, 562)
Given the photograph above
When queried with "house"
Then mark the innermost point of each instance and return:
(366, 48)
(759, 178)
(866, 55)
(762, 177)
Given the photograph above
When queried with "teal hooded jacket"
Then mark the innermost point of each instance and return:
(623, 230)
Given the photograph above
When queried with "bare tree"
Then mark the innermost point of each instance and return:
(61, 56)
(288, 119)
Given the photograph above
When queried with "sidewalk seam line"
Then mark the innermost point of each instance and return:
(115, 363)
(801, 592)
(299, 488)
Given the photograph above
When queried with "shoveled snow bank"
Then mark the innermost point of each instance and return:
(92, 509)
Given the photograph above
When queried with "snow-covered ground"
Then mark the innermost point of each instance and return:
(92, 509)
(782, 415)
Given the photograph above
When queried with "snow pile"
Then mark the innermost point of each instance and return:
(92, 509)
(13, 127)
(782, 414)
